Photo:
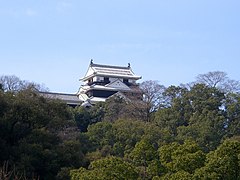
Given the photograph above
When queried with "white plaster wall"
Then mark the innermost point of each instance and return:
(89, 72)
(98, 78)
(132, 81)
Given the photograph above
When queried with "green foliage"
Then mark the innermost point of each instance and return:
(85, 117)
(205, 98)
(101, 134)
(128, 133)
(30, 135)
(233, 115)
(143, 153)
(178, 135)
(144, 156)
(179, 175)
(176, 110)
(137, 141)
(223, 163)
(64, 174)
(121, 136)
(207, 129)
(115, 109)
(196, 113)
(107, 168)
(155, 169)
(186, 157)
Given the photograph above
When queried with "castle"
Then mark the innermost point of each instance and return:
(101, 82)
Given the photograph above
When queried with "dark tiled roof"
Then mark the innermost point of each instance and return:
(109, 71)
(109, 66)
(113, 71)
(70, 99)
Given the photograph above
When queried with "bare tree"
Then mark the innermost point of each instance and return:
(219, 80)
(232, 86)
(13, 83)
(212, 79)
(133, 107)
(152, 97)
(152, 94)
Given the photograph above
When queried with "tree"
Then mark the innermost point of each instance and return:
(206, 122)
(100, 134)
(203, 97)
(219, 79)
(212, 79)
(7, 173)
(115, 108)
(107, 168)
(223, 163)
(120, 137)
(232, 107)
(152, 94)
(143, 154)
(128, 133)
(180, 175)
(30, 128)
(171, 93)
(186, 157)
(152, 97)
(85, 117)
(176, 111)
(231, 86)
(13, 83)
(196, 113)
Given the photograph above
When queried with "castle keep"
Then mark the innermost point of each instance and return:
(103, 81)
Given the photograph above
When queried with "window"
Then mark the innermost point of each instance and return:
(106, 79)
(125, 81)
(90, 80)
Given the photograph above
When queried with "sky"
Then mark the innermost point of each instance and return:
(51, 42)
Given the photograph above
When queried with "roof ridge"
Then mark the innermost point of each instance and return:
(57, 93)
(109, 66)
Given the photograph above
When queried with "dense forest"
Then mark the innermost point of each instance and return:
(190, 131)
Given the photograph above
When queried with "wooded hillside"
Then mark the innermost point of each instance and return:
(178, 132)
